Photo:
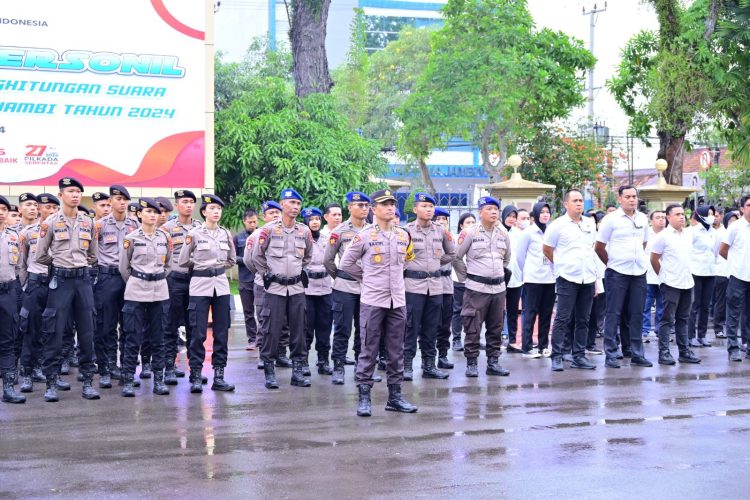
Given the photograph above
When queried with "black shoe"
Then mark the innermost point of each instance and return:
(557, 364)
(694, 343)
(87, 391)
(160, 388)
(640, 361)
(37, 375)
(430, 371)
(260, 364)
(338, 372)
(626, 354)
(61, 384)
(306, 369)
(382, 365)
(115, 372)
(170, 377)
(105, 381)
(127, 390)
(582, 363)
(364, 405)
(457, 344)
(396, 402)
(219, 383)
(665, 358)
(734, 355)
(9, 392)
(146, 371)
(511, 349)
(612, 363)
(178, 373)
(689, 357)
(408, 370)
(721, 335)
(298, 375)
(73, 360)
(50, 395)
(619, 355)
(136, 383)
(472, 368)
(27, 385)
(324, 368)
(65, 367)
(349, 361)
(444, 363)
(704, 343)
(79, 377)
(204, 379)
(196, 382)
(494, 368)
(283, 362)
(568, 358)
(270, 373)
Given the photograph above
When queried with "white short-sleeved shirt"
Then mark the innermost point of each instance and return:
(624, 237)
(675, 248)
(536, 268)
(516, 279)
(651, 277)
(721, 268)
(703, 256)
(738, 258)
(575, 259)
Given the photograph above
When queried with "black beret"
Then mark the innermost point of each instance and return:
(67, 182)
(117, 189)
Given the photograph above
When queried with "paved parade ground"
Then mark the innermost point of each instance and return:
(661, 432)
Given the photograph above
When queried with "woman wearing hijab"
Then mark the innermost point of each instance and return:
(514, 287)
(705, 248)
(538, 282)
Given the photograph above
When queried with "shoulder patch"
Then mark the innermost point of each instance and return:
(334, 238)
(462, 237)
(356, 239)
(448, 235)
(188, 239)
(43, 230)
(126, 243)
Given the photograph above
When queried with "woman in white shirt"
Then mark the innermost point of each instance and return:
(515, 285)
(702, 259)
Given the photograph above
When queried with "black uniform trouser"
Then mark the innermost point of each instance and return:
(458, 304)
(30, 323)
(483, 308)
(512, 310)
(675, 317)
(443, 342)
(379, 322)
(18, 340)
(703, 291)
(198, 319)
(573, 310)
(738, 309)
(8, 328)
(284, 309)
(538, 301)
(596, 319)
(110, 297)
(141, 321)
(720, 303)
(318, 324)
(619, 287)
(264, 316)
(247, 298)
(179, 299)
(422, 319)
(72, 297)
(345, 310)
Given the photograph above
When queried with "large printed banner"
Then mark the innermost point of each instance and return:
(107, 91)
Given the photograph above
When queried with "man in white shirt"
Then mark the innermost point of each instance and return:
(653, 295)
(333, 216)
(721, 274)
(735, 247)
(569, 245)
(702, 261)
(620, 243)
(670, 258)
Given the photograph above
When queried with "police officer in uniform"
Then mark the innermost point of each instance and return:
(67, 243)
(346, 290)
(110, 287)
(246, 277)
(178, 282)
(144, 265)
(433, 248)
(442, 218)
(209, 251)
(102, 206)
(283, 250)
(377, 258)
(486, 246)
(10, 263)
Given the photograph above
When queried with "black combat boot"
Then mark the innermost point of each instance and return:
(9, 392)
(298, 375)
(364, 406)
(114, 371)
(146, 371)
(177, 372)
(396, 402)
(270, 372)
(494, 368)
(127, 386)
(260, 364)
(219, 383)
(37, 375)
(50, 395)
(443, 361)
(457, 344)
(170, 377)
(159, 387)
(306, 368)
(105, 381)
(196, 382)
(27, 385)
(430, 371)
(408, 370)
(87, 391)
(65, 366)
(323, 367)
(73, 359)
(61, 384)
(282, 361)
(338, 372)
(382, 364)
(472, 370)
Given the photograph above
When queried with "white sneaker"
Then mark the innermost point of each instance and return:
(532, 354)
(547, 352)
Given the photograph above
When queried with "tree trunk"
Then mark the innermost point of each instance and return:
(308, 36)
(672, 149)
(426, 177)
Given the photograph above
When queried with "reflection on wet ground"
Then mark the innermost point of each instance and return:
(536, 434)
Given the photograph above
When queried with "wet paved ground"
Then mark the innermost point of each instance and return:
(663, 432)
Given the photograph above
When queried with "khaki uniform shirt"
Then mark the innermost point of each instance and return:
(324, 285)
(178, 232)
(378, 258)
(338, 241)
(67, 243)
(247, 257)
(433, 248)
(204, 250)
(284, 252)
(145, 254)
(487, 254)
(29, 241)
(111, 234)
(10, 255)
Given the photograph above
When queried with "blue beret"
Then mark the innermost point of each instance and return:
(117, 189)
(311, 212)
(99, 196)
(148, 203)
(290, 194)
(357, 196)
(424, 197)
(441, 212)
(208, 198)
(488, 200)
(268, 205)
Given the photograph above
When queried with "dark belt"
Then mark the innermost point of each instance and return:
(208, 273)
(109, 270)
(485, 281)
(447, 272)
(344, 275)
(179, 276)
(316, 276)
(148, 276)
(42, 278)
(77, 272)
(420, 275)
(7, 286)
(284, 281)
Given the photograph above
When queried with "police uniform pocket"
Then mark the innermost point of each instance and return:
(338, 311)
(23, 320)
(48, 321)
(300, 246)
(276, 249)
(192, 315)
(377, 257)
(128, 318)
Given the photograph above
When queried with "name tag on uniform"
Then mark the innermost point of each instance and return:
(177, 241)
(223, 245)
(110, 239)
(62, 235)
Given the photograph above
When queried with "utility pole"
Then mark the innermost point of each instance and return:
(592, 26)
